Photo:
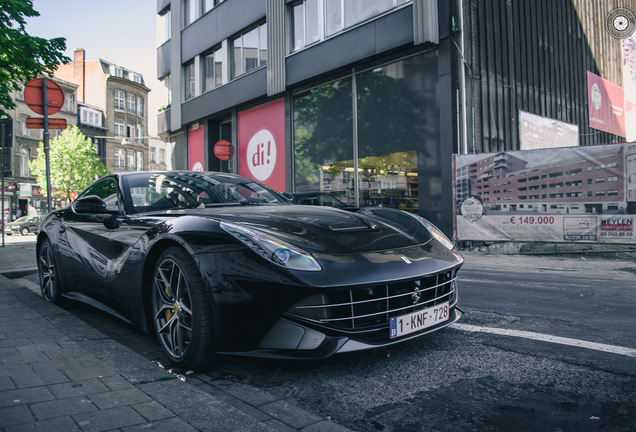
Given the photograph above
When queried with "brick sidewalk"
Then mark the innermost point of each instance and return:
(57, 373)
(18, 258)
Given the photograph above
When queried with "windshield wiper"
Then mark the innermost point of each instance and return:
(223, 204)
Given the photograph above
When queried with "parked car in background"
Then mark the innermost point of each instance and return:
(317, 198)
(24, 225)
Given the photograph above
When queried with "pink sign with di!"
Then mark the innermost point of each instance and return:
(261, 144)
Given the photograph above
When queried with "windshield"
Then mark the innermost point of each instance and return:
(165, 191)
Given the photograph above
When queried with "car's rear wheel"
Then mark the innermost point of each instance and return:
(48, 273)
(181, 310)
(24, 231)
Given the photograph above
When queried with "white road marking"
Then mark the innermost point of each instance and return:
(630, 352)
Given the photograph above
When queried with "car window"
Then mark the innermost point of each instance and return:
(163, 191)
(107, 191)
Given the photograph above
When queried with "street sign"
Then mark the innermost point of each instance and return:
(38, 123)
(34, 98)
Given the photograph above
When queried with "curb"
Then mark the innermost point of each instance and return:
(15, 274)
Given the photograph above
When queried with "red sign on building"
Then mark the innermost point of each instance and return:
(606, 102)
(196, 150)
(261, 144)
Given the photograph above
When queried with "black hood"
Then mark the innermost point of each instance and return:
(328, 230)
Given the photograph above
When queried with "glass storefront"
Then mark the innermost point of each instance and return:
(323, 140)
(372, 139)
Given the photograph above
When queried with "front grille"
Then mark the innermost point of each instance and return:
(370, 308)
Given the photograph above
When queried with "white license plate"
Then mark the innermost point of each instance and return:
(419, 320)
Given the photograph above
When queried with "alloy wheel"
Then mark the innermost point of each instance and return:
(172, 309)
(46, 267)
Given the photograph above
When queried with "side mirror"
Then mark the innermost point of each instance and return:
(91, 204)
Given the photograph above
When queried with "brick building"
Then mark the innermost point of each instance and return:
(122, 97)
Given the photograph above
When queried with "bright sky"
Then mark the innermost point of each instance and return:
(119, 31)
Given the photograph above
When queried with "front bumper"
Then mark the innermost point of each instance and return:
(291, 340)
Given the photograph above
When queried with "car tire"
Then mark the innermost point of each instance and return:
(47, 269)
(181, 311)
(24, 231)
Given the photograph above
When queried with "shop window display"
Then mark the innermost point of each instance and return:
(393, 158)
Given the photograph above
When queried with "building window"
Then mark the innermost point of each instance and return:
(120, 100)
(97, 143)
(313, 20)
(131, 103)
(213, 69)
(249, 50)
(189, 12)
(306, 23)
(189, 79)
(140, 106)
(130, 160)
(389, 168)
(140, 132)
(151, 154)
(140, 161)
(164, 27)
(69, 102)
(207, 5)
(23, 167)
(167, 82)
(120, 160)
(130, 130)
(162, 156)
(120, 128)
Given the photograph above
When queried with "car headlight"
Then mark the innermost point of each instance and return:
(274, 250)
(435, 232)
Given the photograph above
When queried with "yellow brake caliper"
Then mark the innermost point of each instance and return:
(169, 313)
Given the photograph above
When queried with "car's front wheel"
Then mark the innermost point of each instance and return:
(181, 310)
(48, 273)
(24, 231)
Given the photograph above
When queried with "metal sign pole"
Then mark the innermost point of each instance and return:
(46, 143)
(2, 166)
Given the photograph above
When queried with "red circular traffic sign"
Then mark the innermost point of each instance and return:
(223, 150)
(33, 96)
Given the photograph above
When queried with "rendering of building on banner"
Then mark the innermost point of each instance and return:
(585, 194)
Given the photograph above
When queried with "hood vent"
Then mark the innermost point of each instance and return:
(366, 225)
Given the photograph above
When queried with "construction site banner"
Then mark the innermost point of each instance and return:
(575, 194)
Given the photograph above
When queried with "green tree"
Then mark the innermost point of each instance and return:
(23, 57)
(74, 164)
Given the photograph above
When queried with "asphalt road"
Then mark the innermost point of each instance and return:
(545, 344)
